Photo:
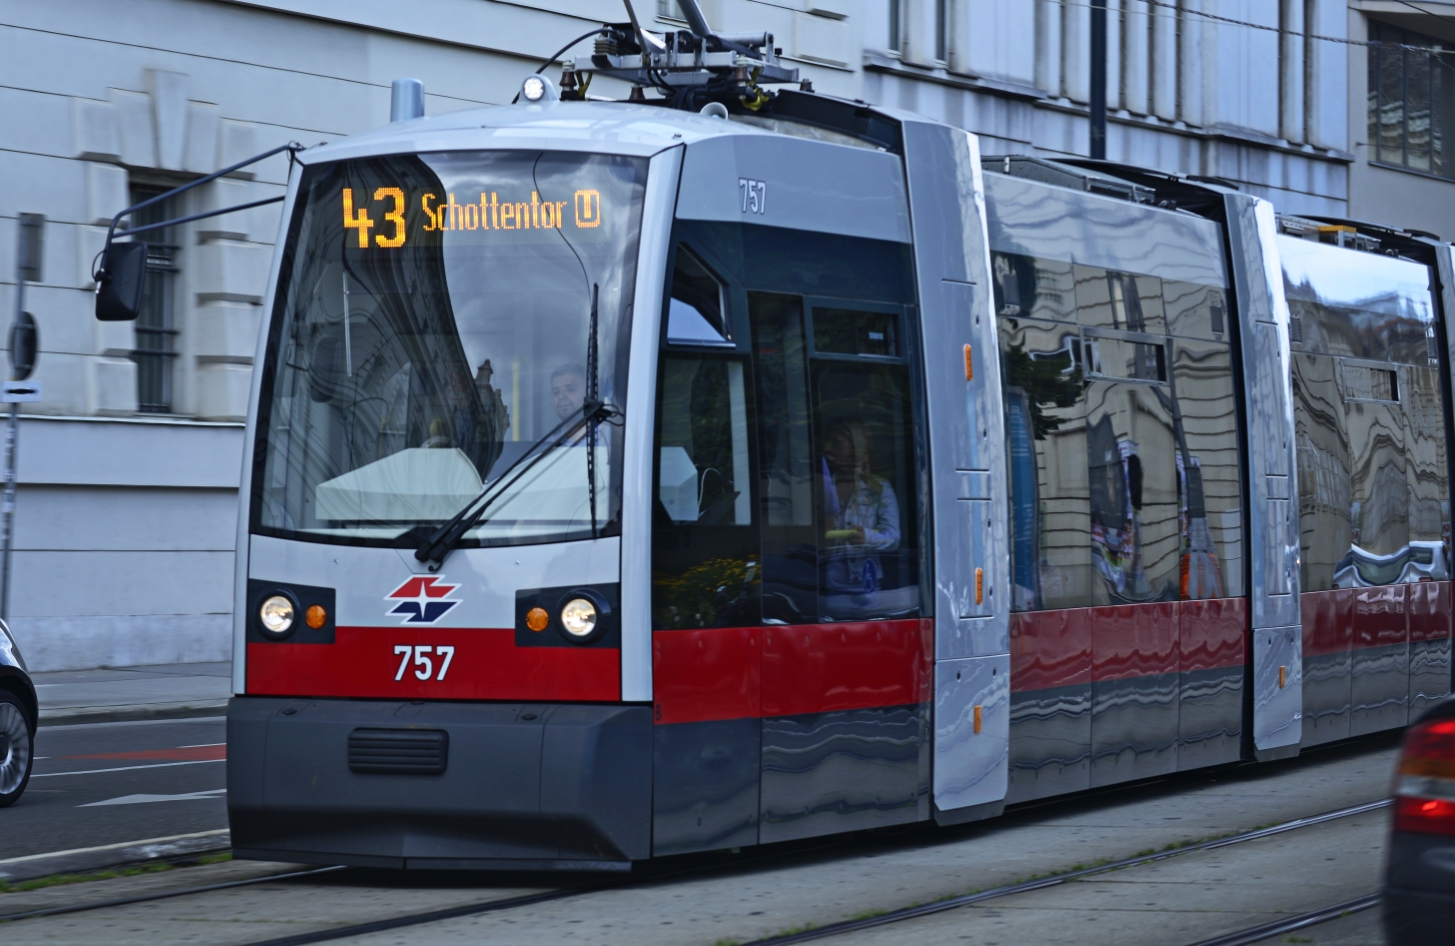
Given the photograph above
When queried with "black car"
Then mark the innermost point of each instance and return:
(1419, 878)
(19, 712)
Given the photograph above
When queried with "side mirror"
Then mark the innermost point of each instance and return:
(119, 282)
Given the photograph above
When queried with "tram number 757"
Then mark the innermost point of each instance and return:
(419, 656)
(754, 194)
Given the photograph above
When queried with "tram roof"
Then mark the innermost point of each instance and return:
(602, 127)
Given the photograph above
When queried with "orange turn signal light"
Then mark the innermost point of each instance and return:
(536, 619)
(979, 718)
(315, 617)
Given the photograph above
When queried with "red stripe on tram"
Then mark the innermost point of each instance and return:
(485, 664)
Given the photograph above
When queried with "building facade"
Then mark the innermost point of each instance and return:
(129, 465)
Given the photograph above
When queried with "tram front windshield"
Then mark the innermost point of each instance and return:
(431, 324)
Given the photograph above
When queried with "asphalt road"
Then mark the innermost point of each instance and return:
(107, 783)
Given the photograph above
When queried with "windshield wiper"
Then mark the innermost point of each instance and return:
(435, 546)
(592, 397)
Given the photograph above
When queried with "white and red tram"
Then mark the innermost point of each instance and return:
(625, 481)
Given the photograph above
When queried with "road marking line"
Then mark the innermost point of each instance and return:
(145, 799)
(125, 768)
(113, 847)
(171, 754)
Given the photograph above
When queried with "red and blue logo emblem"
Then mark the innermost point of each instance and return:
(422, 600)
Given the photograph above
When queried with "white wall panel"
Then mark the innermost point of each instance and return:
(131, 582)
(137, 453)
(80, 519)
(122, 640)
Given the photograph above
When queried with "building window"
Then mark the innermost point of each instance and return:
(1411, 100)
(156, 333)
(896, 15)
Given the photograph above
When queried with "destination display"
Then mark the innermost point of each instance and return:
(386, 218)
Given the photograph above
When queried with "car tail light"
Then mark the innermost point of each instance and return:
(1424, 786)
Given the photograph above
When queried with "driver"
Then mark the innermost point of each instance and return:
(568, 393)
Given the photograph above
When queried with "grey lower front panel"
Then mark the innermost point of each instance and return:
(705, 796)
(824, 773)
(525, 785)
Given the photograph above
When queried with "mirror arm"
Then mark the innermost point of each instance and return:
(211, 213)
(291, 147)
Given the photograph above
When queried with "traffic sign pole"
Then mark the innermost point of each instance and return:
(28, 268)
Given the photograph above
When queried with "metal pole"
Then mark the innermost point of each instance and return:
(7, 503)
(1098, 80)
(29, 260)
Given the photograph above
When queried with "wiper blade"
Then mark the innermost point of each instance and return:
(435, 546)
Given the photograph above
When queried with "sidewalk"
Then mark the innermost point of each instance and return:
(173, 691)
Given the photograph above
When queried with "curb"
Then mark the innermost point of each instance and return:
(128, 853)
(73, 716)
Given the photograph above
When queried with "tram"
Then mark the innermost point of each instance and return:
(737, 464)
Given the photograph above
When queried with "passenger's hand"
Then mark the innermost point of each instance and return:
(858, 537)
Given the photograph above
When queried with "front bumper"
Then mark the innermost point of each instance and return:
(526, 786)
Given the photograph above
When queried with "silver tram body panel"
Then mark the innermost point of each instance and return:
(1277, 642)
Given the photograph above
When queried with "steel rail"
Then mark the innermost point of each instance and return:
(433, 916)
(952, 903)
(161, 895)
(1256, 934)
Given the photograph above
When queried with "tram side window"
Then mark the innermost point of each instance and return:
(705, 564)
(840, 521)
(868, 555)
(1124, 467)
(697, 309)
(1374, 498)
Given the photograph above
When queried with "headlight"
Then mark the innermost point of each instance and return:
(578, 617)
(276, 613)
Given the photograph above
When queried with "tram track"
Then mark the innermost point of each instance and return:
(498, 904)
(1257, 934)
(1010, 890)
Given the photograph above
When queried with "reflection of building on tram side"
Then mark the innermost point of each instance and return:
(1372, 483)
(1123, 426)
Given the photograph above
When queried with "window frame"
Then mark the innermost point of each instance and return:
(1378, 61)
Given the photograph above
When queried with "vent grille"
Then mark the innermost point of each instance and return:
(399, 751)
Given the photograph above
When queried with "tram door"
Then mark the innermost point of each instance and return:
(790, 656)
